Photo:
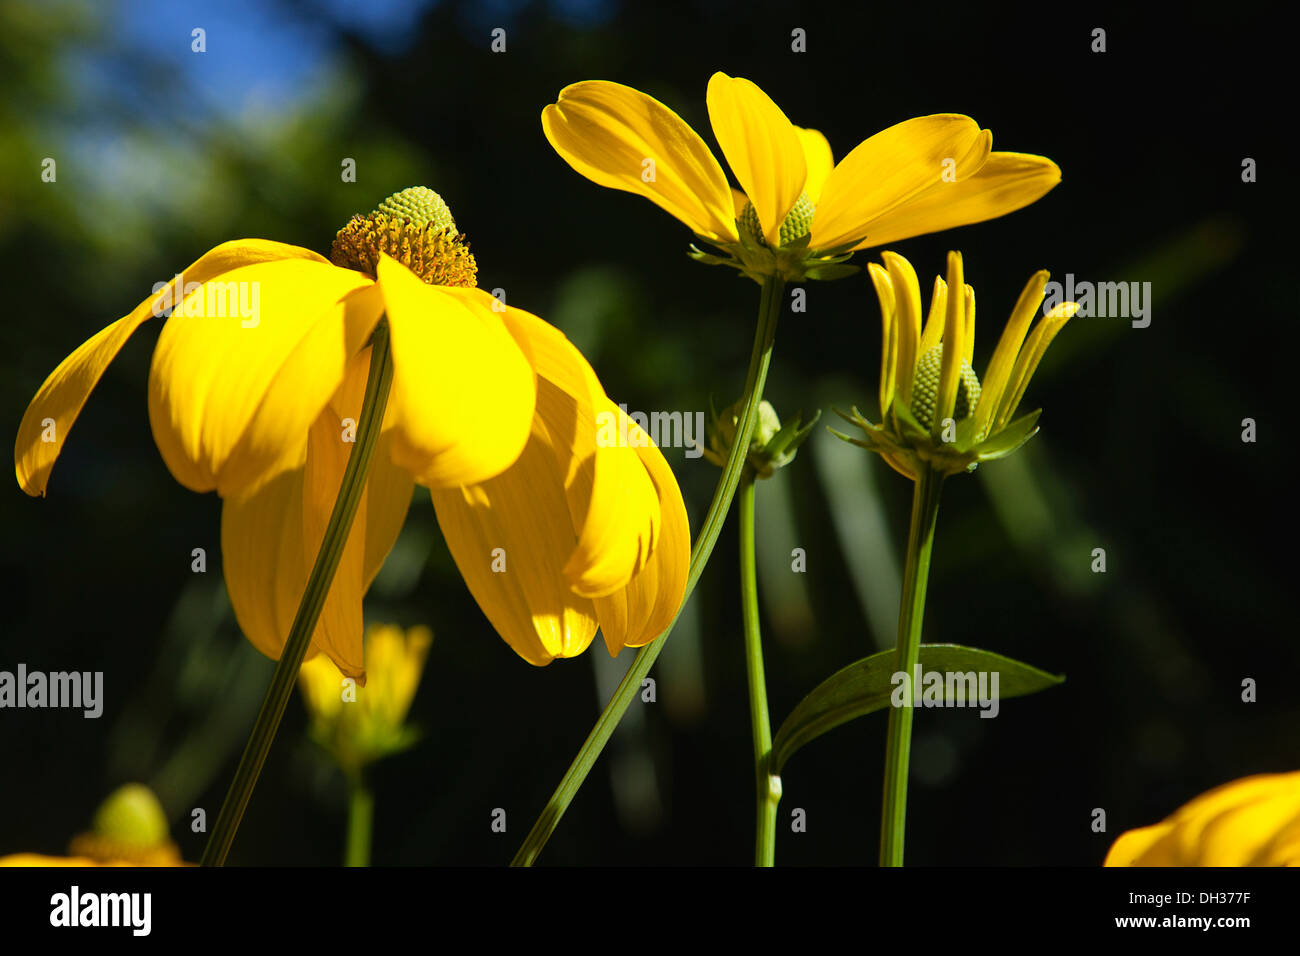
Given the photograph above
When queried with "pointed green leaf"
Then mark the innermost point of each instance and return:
(1010, 438)
(865, 686)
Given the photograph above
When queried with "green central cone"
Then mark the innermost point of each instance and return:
(925, 389)
(797, 222)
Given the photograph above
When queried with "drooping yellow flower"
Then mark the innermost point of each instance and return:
(359, 725)
(935, 412)
(1254, 821)
(797, 208)
(129, 829)
(254, 391)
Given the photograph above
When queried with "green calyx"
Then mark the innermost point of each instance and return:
(925, 389)
(796, 224)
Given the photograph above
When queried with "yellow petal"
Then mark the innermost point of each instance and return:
(57, 403)
(378, 520)
(761, 146)
(885, 171)
(818, 159)
(463, 393)
(932, 335)
(1005, 183)
(511, 537)
(231, 397)
(270, 538)
(1004, 356)
(907, 301)
(888, 336)
(262, 558)
(612, 501)
(1030, 355)
(607, 132)
(954, 343)
(640, 612)
(1148, 846)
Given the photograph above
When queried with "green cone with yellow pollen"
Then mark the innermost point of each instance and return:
(415, 227)
(935, 412)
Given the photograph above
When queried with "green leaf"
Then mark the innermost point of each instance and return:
(865, 686)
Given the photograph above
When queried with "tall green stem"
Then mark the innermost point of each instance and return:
(313, 600)
(769, 311)
(898, 746)
(768, 785)
(361, 817)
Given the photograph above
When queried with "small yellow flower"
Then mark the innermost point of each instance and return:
(359, 725)
(1254, 821)
(129, 829)
(934, 411)
(490, 408)
(798, 209)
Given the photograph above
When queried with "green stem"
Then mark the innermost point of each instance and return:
(768, 785)
(313, 600)
(898, 746)
(361, 817)
(769, 311)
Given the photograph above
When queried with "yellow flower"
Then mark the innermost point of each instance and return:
(934, 411)
(490, 408)
(129, 829)
(1254, 821)
(919, 176)
(359, 725)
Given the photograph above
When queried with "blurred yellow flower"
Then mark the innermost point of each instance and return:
(359, 725)
(129, 829)
(255, 389)
(1254, 821)
(922, 175)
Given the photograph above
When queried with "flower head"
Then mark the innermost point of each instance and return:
(797, 211)
(1254, 821)
(359, 725)
(255, 389)
(773, 445)
(935, 412)
(129, 829)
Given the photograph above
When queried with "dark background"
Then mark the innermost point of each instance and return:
(163, 153)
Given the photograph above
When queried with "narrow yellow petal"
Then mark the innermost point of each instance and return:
(818, 159)
(887, 170)
(907, 300)
(612, 501)
(1030, 356)
(463, 393)
(968, 336)
(1004, 356)
(888, 335)
(621, 138)
(231, 396)
(932, 334)
(954, 343)
(640, 612)
(59, 401)
(511, 537)
(761, 146)
(1005, 183)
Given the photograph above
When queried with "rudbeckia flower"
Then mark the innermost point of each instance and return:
(254, 391)
(371, 723)
(1254, 821)
(129, 829)
(934, 410)
(797, 209)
